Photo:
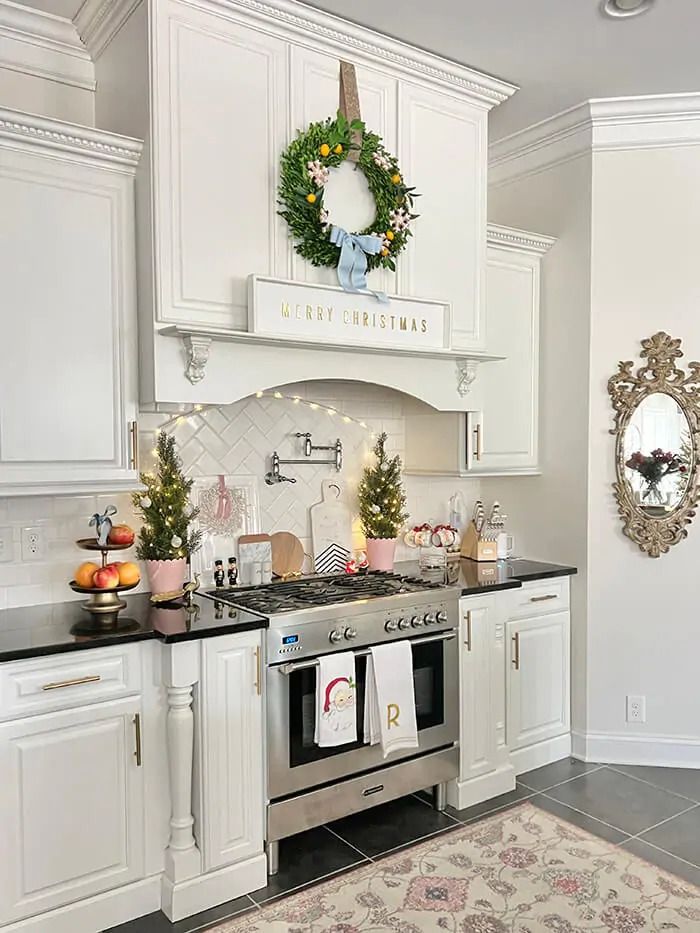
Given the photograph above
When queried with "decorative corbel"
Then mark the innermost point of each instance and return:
(466, 374)
(197, 356)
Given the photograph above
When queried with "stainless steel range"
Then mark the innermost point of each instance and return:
(306, 785)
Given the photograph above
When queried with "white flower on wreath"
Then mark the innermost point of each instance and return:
(381, 160)
(386, 243)
(318, 173)
(324, 219)
(399, 219)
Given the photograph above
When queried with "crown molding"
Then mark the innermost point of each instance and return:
(518, 240)
(26, 131)
(598, 125)
(98, 21)
(37, 43)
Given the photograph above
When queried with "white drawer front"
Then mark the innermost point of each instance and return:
(539, 598)
(41, 685)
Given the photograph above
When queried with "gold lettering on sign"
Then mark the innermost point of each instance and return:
(423, 326)
(382, 321)
(403, 323)
(365, 319)
(297, 312)
(286, 310)
(346, 317)
(354, 318)
(392, 715)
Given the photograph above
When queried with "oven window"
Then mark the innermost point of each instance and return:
(428, 686)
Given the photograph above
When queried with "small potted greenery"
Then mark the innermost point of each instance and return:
(382, 507)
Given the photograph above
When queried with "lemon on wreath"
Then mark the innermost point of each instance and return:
(338, 149)
(385, 252)
(389, 234)
(325, 150)
(311, 198)
(396, 179)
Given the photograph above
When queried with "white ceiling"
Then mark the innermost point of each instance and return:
(560, 52)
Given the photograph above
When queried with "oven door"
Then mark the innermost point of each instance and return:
(296, 763)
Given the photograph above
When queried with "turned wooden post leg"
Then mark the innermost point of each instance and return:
(182, 856)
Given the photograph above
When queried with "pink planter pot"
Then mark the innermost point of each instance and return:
(165, 576)
(380, 553)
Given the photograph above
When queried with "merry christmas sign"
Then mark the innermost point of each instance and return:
(331, 315)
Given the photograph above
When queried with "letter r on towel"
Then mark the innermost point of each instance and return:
(392, 715)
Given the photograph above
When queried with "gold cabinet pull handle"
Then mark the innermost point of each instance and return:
(468, 620)
(258, 685)
(133, 445)
(59, 684)
(516, 643)
(137, 735)
(541, 599)
(479, 448)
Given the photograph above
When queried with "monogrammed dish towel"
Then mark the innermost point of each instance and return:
(390, 705)
(336, 722)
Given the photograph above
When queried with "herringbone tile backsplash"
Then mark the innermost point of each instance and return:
(238, 439)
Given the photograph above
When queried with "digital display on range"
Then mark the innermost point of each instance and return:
(290, 639)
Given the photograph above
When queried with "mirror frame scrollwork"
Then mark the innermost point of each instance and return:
(627, 389)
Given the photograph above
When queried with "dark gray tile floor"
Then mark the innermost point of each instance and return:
(653, 813)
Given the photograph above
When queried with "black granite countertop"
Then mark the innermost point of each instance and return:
(33, 631)
(474, 577)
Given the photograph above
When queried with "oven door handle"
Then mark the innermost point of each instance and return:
(290, 667)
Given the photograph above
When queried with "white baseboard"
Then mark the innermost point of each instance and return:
(623, 749)
(463, 794)
(543, 753)
(96, 913)
(190, 897)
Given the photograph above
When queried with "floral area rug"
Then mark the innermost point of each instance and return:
(522, 871)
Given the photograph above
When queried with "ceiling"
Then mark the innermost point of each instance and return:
(560, 52)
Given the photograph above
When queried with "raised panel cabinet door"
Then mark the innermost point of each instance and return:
(71, 807)
(538, 680)
(232, 749)
(314, 97)
(68, 350)
(442, 151)
(478, 691)
(220, 117)
(509, 388)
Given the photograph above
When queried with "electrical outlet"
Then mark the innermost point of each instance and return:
(33, 543)
(7, 548)
(636, 709)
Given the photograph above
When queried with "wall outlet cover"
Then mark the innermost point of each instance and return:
(636, 709)
(34, 543)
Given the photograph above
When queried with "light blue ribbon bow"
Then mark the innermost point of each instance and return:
(352, 264)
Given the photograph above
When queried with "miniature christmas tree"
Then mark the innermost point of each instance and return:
(165, 508)
(381, 495)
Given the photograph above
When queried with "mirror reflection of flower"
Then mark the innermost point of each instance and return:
(340, 696)
(653, 468)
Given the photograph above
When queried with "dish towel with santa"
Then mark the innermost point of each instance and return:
(336, 722)
(390, 703)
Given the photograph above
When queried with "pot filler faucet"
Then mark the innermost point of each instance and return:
(274, 475)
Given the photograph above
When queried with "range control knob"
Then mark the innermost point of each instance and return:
(430, 618)
(441, 616)
(416, 621)
(350, 633)
(404, 624)
(391, 625)
(335, 636)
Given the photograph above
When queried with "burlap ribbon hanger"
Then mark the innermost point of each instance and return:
(349, 106)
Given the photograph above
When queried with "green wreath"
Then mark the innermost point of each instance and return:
(305, 170)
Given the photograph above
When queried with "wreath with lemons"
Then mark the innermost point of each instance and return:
(305, 170)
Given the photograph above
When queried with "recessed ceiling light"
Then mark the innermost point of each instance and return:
(623, 9)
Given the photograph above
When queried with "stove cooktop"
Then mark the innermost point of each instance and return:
(296, 595)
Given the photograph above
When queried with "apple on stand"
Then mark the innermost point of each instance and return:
(121, 534)
(106, 578)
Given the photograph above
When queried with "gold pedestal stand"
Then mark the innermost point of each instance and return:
(104, 605)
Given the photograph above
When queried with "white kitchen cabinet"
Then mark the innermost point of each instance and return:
(537, 680)
(500, 435)
(446, 256)
(484, 768)
(232, 749)
(68, 389)
(71, 808)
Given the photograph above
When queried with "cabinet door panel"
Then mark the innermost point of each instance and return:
(232, 749)
(66, 384)
(216, 131)
(538, 688)
(443, 153)
(315, 87)
(72, 807)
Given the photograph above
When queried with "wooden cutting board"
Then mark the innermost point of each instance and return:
(287, 554)
(331, 531)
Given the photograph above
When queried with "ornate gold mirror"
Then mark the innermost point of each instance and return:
(657, 429)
